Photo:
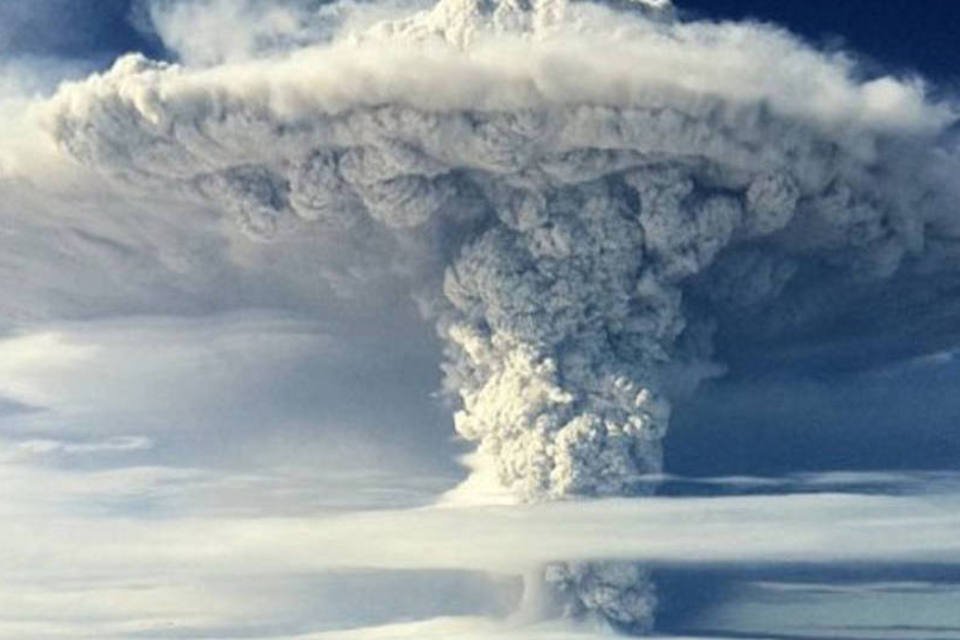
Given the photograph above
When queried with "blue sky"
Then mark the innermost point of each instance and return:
(70, 28)
(902, 34)
(899, 34)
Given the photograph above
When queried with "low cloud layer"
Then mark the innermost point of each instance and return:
(202, 569)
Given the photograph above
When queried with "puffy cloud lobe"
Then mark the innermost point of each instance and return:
(548, 316)
(621, 592)
(614, 187)
(209, 32)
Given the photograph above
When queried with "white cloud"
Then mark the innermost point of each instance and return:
(199, 567)
(210, 32)
(464, 629)
(60, 448)
(824, 528)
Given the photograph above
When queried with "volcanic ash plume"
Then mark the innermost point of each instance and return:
(610, 191)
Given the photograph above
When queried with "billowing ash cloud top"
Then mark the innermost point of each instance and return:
(609, 190)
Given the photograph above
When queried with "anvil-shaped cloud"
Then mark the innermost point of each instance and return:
(597, 208)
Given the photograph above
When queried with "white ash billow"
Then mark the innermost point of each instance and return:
(555, 350)
(587, 218)
(620, 594)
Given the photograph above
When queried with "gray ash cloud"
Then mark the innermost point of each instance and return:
(618, 198)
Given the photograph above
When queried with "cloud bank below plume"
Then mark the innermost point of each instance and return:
(207, 570)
